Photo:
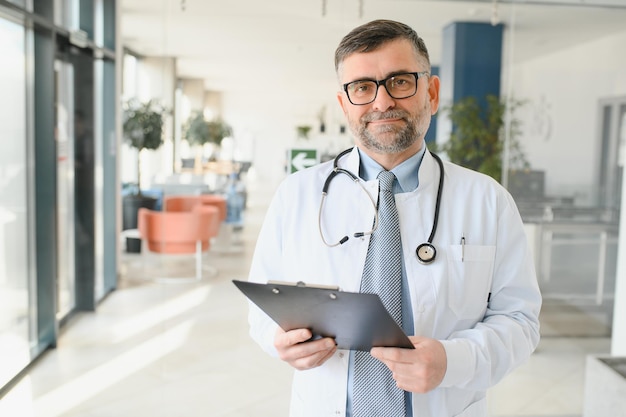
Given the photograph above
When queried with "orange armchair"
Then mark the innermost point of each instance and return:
(220, 235)
(180, 203)
(184, 232)
(187, 202)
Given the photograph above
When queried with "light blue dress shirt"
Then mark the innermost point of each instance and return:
(407, 180)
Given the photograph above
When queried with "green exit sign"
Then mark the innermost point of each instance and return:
(300, 159)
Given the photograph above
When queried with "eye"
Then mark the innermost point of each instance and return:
(360, 87)
(403, 81)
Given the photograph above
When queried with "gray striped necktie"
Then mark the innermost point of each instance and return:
(375, 393)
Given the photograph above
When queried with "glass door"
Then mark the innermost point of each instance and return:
(613, 152)
(66, 125)
(16, 313)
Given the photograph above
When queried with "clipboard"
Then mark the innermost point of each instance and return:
(356, 321)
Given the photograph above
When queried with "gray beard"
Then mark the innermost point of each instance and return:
(404, 138)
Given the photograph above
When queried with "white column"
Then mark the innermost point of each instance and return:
(157, 80)
(618, 342)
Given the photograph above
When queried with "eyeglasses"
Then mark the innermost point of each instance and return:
(398, 86)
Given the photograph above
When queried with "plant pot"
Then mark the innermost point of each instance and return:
(130, 206)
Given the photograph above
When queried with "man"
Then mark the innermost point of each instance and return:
(471, 311)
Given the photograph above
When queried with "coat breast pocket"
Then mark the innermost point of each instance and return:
(470, 269)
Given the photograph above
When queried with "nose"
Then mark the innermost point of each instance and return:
(383, 100)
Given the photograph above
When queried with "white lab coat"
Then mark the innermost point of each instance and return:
(483, 340)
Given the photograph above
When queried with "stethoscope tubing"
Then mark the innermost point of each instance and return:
(425, 252)
(336, 171)
(438, 200)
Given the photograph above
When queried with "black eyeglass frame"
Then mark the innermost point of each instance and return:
(383, 82)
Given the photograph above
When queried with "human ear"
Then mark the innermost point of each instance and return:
(433, 92)
(342, 102)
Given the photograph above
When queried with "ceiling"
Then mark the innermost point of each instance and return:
(276, 45)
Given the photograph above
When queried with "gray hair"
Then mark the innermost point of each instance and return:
(370, 36)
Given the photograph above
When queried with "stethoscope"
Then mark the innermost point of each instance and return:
(425, 252)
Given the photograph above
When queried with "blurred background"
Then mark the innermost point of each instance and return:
(109, 106)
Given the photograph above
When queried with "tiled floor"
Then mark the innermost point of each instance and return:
(164, 349)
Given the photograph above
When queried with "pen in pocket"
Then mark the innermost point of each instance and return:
(462, 248)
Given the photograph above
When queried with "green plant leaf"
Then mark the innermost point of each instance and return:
(198, 131)
(143, 124)
(143, 128)
(477, 138)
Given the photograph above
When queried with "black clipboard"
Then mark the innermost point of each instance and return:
(356, 321)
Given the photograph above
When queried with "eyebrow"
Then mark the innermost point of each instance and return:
(389, 75)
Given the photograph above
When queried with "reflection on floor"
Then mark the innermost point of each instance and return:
(164, 349)
(575, 319)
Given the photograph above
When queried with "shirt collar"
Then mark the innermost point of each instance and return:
(406, 173)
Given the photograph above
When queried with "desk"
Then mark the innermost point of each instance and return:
(541, 238)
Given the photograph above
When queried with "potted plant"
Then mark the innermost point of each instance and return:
(303, 131)
(143, 130)
(321, 116)
(197, 131)
(477, 138)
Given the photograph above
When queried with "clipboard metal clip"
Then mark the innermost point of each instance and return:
(302, 284)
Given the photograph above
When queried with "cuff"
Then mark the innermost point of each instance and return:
(460, 363)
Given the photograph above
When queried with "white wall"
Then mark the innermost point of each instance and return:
(561, 118)
(193, 90)
(618, 340)
(265, 127)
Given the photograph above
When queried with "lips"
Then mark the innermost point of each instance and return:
(384, 121)
(386, 117)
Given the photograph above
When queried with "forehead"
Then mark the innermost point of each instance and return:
(393, 56)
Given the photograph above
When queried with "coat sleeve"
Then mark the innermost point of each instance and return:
(266, 266)
(480, 357)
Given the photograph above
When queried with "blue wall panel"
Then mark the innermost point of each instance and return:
(472, 59)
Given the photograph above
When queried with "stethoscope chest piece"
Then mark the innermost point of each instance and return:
(426, 253)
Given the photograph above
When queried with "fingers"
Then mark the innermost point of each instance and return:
(286, 339)
(417, 370)
(293, 348)
(392, 355)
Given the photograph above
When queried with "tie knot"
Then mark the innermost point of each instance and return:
(385, 179)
